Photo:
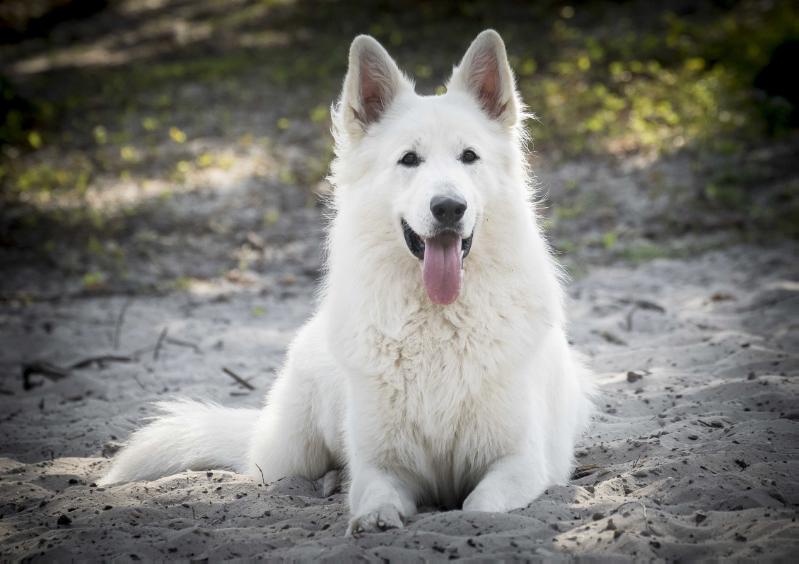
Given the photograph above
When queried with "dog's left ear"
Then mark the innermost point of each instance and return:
(485, 74)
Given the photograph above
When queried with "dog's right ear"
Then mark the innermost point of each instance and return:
(372, 83)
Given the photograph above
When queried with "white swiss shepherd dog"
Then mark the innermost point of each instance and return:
(436, 370)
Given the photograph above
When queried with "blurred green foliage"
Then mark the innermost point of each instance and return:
(603, 78)
(684, 80)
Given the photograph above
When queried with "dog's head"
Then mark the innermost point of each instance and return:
(425, 169)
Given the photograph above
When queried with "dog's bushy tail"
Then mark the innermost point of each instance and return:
(188, 435)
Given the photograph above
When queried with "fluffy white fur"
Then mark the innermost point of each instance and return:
(476, 404)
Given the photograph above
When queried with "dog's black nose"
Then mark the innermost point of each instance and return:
(448, 210)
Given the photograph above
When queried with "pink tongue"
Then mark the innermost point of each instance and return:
(441, 270)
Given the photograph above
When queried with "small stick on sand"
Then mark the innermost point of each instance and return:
(47, 369)
(611, 338)
(161, 338)
(54, 372)
(262, 474)
(238, 378)
(138, 352)
(120, 321)
(642, 304)
(643, 507)
(135, 377)
(181, 343)
(99, 360)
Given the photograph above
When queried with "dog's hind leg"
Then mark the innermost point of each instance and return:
(286, 441)
(330, 483)
(297, 431)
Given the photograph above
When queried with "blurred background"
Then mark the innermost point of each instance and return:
(151, 146)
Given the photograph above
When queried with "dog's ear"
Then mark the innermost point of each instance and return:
(373, 81)
(485, 74)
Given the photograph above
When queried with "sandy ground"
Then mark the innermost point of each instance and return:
(686, 300)
(693, 451)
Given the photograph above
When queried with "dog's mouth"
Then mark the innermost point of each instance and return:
(442, 261)
(416, 244)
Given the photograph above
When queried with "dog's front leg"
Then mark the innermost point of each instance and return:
(378, 501)
(511, 482)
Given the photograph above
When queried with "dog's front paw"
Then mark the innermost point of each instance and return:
(483, 499)
(383, 518)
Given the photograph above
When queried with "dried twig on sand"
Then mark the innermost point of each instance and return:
(120, 321)
(54, 372)
(160, 341)
(164, 338)
(641, 304)
(182, 343)
(238, 378)
(47, 369)
(262, 473)
(100, 360)
(611, 338)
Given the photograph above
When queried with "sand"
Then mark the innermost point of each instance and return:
(692, 453)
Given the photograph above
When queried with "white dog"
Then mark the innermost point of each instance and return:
(436, 369)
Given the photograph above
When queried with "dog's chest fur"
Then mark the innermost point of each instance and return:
(448, 394)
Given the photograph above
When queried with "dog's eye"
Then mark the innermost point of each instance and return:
(469, 156)
(410, 159)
